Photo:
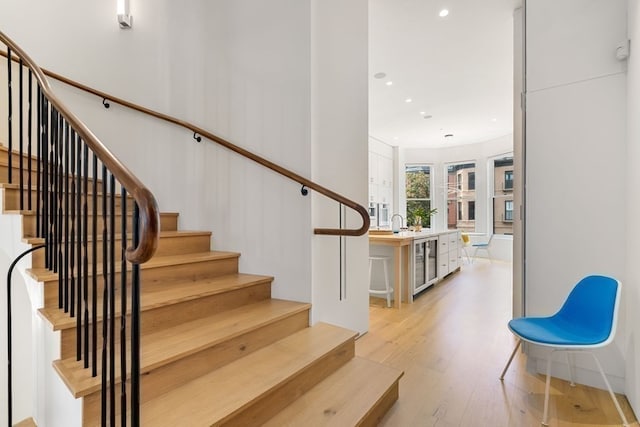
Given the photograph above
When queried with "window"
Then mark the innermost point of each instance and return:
(460, 198)
(508, 180)
(508, 210)
(472, 181)
(503, 195)
(418, 192)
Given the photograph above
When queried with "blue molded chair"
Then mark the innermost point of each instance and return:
(586, 320)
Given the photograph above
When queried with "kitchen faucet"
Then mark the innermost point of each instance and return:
(392, 223)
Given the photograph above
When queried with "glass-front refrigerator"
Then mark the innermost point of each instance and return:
(424, 264)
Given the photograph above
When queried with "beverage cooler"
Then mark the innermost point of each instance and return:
(424, 264)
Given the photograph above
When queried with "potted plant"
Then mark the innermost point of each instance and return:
(419, 216)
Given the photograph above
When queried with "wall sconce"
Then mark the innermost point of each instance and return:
(124, 17)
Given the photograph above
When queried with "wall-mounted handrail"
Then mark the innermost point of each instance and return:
(149, 213)
(364, 214)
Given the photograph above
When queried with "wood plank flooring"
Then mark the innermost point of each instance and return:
(452, 344)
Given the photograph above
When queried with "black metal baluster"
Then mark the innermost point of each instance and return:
(69, 304)
(94, 270)
(10, 96)
(40, 107)
(112, 298)
(82, 292)
(105, 299)
(54, 192)
(60, 205)
(66, 174)
(75, 296)
(123, 310)
(29, 131)
(135, 326)
(45, 183)
(76, 303)
(21, 133)
(86, 273)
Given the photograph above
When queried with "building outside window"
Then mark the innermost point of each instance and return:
(508, 180)
(503, 195)
(508, 210)
(418, 192)
(461, 196)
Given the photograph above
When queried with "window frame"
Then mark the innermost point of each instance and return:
(456, 195)
(426, 222)
(498, 195)
(508, 211)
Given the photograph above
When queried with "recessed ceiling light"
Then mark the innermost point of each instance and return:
(389, 83)
(422, 113)
(395, 138)
(494, 120)
(380, 75)
(443, 13)
(408, 100)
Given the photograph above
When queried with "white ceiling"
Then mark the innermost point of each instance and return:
(458, 69)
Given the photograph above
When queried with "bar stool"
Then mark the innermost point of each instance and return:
(388, 289)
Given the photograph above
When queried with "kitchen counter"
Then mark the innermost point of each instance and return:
(401, 243)
(381, 236)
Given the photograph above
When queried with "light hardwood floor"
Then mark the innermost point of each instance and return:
(452, 344)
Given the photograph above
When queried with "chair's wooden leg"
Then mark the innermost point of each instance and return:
(504, 371)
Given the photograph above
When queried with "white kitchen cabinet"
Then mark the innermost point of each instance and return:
(380, 178)
(448, 253)
(373, 168)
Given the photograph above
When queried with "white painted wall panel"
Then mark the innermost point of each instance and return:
(340, 152)
(631, 290)
(575, 165)
(567, 44)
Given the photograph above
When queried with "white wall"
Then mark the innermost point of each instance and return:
(632, 283)
(23, 356)
(238, 68)
(519, 155)
(286, 79)
(576, 157)
(340, 151)
(480, 153)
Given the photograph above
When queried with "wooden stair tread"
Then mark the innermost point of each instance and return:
(220, 394)
(344, 398)
(163, 234)
(160, 297)
(44, 275)
(26, 423)
(201, 288)
(163, 347)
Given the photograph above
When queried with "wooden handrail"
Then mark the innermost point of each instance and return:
(149, 213)
(364, 214)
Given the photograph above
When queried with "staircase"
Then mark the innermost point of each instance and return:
(216, 348)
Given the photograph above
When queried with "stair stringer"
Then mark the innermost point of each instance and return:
(38, 391)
